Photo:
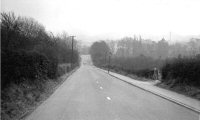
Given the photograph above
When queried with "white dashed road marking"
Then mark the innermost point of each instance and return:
(101, 87)
(108, 98)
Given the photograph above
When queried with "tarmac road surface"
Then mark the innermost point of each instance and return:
(90, 94)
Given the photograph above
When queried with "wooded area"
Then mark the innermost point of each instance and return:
(178, 63)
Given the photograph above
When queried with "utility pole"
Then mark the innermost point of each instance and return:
(109, 62)
(105, 58)
(72, 51)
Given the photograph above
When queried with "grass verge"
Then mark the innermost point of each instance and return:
(19, 100)
(135, 77)
(188, 90)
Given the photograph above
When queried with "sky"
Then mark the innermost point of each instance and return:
(112, 19)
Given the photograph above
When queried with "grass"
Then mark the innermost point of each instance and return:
(188, 90)
(135, 77)
(18, 101)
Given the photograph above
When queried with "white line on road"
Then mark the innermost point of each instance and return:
(108, 98)
(101, 87)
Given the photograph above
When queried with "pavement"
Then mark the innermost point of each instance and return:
(92, 94)
(149, 86)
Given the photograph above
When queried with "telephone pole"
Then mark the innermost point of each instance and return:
(105, 58)
(109, 62)
(72, 51)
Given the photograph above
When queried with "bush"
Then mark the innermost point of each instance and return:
(29, 57)
(22, 64)
(28, 51)
(141, 66)
(184, 70)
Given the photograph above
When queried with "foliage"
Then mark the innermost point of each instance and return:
(182, 71)
(134, 47)
(140, 57)
(141, 66)
(29, 51)
(99, 52)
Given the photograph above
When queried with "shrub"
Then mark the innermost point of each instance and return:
(22, 64)
(184, 70)
(28, 51)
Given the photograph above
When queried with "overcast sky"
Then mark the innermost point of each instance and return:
(112, 18)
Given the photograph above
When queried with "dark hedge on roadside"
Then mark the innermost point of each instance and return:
(184, 70)
(29, 52)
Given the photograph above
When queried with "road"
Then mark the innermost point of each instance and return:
(90, 94)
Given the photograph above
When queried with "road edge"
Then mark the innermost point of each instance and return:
(157, 94)
(25, 115)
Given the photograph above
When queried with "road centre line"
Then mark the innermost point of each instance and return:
(108, 98)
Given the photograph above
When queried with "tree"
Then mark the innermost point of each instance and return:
(99, 52)
(112, 45)
(29, 50)
(162, 49)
